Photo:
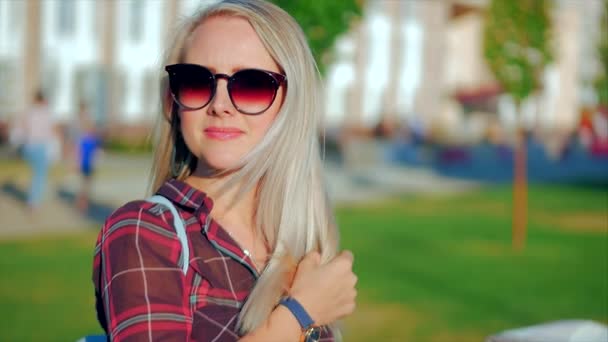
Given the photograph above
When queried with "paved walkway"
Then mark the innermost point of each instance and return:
(121, 178)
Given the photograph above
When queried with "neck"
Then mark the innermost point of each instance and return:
(238, 215)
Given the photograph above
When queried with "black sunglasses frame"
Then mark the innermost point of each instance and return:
(173, 71)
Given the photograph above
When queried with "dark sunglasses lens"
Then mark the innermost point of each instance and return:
(193, 86)
(252, 91)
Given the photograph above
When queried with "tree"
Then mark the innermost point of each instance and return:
(517, 49)
(601, 83)
(322, 21)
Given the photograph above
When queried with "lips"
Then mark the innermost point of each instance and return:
(223, 133)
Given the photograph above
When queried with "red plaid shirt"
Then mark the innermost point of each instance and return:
(141, 291)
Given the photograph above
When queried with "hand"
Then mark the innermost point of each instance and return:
(327, 292)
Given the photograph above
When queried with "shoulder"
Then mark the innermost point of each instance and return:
(140, 216)
(138, 231)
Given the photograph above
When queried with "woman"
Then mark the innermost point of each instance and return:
(238, 157)
(85, 148)
(39, 135)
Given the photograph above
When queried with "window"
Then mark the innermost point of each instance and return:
(96, 12)
(150, 94)
(119, 88)
(83, 84)
(13, 14)
(136, 20)
(7, 93)
(66, 17)
(51, 84)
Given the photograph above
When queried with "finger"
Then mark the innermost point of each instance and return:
(313, 258)
(348, 255)
(353, 280)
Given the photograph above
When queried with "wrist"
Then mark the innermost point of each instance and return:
(290, 323)
(280, 326)
(306, 303)
(310, 330)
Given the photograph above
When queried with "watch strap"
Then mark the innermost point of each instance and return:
(298, 311)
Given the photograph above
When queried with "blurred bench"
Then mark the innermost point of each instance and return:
(557, 331)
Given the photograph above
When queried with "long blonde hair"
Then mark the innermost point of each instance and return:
(292, 210)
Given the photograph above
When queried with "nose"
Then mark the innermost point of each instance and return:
(220, 103)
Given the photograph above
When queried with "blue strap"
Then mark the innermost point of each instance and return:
(94, 338)
(298, 311)
(179, 228)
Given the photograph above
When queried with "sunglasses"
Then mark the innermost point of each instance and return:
(251, 91)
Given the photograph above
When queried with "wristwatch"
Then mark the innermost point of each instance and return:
(310, 331)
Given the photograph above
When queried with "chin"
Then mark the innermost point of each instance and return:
(222, 162)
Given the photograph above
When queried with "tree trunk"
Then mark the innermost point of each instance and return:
(520, 192)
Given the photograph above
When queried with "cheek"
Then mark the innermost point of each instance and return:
(264, 126)
(261, 124)
(189, 118)
(264, 121)
(189, 125)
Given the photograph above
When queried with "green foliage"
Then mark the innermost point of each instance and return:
(322, 21)
(601, 83)
(516, 44)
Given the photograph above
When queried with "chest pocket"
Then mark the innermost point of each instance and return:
(221, 276)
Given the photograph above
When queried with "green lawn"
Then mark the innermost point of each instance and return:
(430, 269)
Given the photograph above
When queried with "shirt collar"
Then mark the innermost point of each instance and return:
(185, 195)
(189, 197)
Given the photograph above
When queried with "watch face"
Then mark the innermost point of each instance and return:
(313, 334)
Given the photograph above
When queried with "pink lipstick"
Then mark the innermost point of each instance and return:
(223, 133)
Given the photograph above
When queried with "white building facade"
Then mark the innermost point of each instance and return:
(406, 60)
(402, 62)
(105, 54)
(13, 25)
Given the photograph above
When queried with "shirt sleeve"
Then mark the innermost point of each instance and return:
(140, 288)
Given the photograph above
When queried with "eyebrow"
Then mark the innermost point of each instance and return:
(236, 68)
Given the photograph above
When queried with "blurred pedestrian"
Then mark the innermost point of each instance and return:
(238, 164)
(87, 144)
(40, 145)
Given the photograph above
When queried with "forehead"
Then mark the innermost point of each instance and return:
(228, 43)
